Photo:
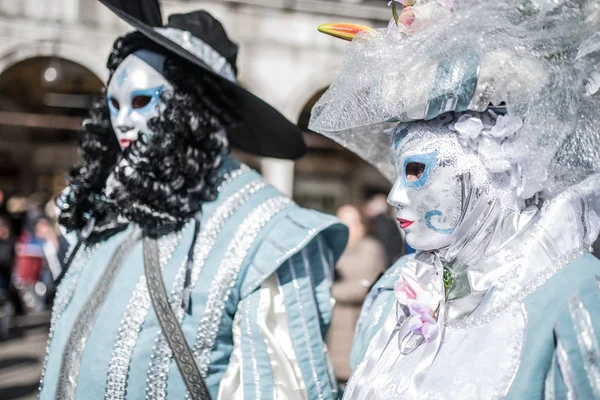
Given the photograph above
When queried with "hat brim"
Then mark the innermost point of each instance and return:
(261, 129)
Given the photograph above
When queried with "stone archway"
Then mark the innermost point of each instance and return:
(42, 103)
(92, 61)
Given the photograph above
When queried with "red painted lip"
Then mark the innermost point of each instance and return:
(125, 143)
(404, 223)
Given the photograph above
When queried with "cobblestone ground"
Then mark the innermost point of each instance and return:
(21, 356)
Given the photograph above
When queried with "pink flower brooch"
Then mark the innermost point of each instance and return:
(422, 301)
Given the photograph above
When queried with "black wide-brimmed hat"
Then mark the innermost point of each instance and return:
(200, 39)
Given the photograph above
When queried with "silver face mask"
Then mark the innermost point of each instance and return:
(134, 94)
(427, 191)
(446, 197)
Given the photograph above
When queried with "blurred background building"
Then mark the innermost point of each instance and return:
(52, 65)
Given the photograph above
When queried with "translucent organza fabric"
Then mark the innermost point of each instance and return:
(533, 58)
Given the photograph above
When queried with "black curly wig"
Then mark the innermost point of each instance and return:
(163, 178)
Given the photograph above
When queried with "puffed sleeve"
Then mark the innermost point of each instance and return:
(279, 330)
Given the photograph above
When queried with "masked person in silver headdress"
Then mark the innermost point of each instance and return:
(496, 160)
(192, 277)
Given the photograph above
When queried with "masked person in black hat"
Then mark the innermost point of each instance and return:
(192, 276)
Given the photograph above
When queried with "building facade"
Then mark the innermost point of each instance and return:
(52, 64)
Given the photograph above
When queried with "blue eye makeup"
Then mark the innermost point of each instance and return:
(429, 160)
(113, 105)
(142, 101)
(145, 100)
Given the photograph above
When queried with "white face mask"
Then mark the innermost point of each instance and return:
(134, 94)
(428, 189)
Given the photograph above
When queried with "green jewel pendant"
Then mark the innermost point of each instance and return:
(448, 279)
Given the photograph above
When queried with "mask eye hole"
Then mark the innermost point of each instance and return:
(140, 102)
(114, 103)
(413, 171)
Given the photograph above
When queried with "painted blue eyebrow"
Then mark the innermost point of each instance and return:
(151, 92)
(427, 159)
(122, 76)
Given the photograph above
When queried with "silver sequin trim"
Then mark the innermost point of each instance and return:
(200, 49)
(158, 369)
(231, 175)
(586, 338)
(517, 297)
(227, 274)
(255, 374)
(71, 360)
(63, 297)
(131, 324)
(566, 371)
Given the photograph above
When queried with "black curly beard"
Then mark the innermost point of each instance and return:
(164, 178)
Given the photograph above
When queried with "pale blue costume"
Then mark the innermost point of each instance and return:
(251, 234)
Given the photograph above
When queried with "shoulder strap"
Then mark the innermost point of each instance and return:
(170, 325)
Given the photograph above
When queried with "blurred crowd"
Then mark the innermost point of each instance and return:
(32, 255)
(375, 243)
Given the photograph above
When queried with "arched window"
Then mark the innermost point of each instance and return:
(42, 103)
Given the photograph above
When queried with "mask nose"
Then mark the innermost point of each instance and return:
(398, 197)
(124, 128)
(123, 123)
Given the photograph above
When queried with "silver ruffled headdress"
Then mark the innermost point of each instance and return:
(534, 60)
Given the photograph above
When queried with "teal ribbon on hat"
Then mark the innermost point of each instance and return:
(454, 86)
